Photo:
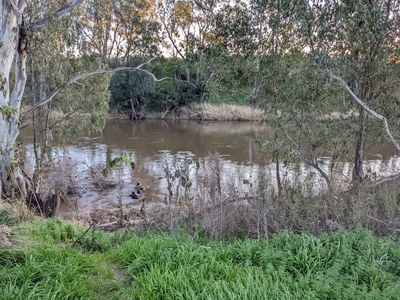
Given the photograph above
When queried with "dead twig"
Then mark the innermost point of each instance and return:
(92, 226)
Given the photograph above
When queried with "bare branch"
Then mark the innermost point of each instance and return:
(63, 11)
(170, 37)
(165, 78)
(388, 224)
(203, 7)
(303, 156)
(82, 76)
(368, 110)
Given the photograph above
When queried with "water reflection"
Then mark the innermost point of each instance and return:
(151, 144)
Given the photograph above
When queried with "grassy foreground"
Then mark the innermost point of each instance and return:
(42, 263)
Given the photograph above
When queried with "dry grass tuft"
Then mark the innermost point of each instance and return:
(17, 209)
(222, 112)
(204, 112)
(5, 236)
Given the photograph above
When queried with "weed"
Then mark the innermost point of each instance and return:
(44, 265)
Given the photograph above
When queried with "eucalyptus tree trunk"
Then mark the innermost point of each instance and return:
(13, 42)
(14, 38)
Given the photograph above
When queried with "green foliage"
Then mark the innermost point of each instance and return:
(235, 30)
(129, 88)
(44, 265)
(307, 105)
(341, 266)
(57, 55)
(7, 111)
(6, 217)
(117, 161)
(139, 89)
(48, 267)
(88, 100)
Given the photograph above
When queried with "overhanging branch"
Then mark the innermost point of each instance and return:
(368, 110)
(63, 11)
(77, 78)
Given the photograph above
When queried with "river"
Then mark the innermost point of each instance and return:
(155, 144)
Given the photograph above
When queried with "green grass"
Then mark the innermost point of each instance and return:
(44, 265)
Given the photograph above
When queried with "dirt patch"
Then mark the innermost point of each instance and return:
(118, 274)
(117, 217)
(6, 235)
(127, 216)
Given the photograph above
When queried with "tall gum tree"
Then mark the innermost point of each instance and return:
(14, 41)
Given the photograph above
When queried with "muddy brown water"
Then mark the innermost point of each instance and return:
(152, 144)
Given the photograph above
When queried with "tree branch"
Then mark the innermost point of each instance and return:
(16, 9)
(82, 76)
(368, 110)
(63, 11)
(204, 8)
(170, 37)
(165, 78)
(303, 157)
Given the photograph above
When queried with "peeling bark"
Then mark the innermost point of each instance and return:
(10, 49)
(14, 42)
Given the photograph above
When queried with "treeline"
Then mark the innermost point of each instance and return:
(134, 91)
(296, 59)
(302, 61)
(177, 85)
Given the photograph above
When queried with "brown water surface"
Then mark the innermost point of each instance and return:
(152, 144)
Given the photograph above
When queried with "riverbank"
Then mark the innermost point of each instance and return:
(53, 259)
(203, 112)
